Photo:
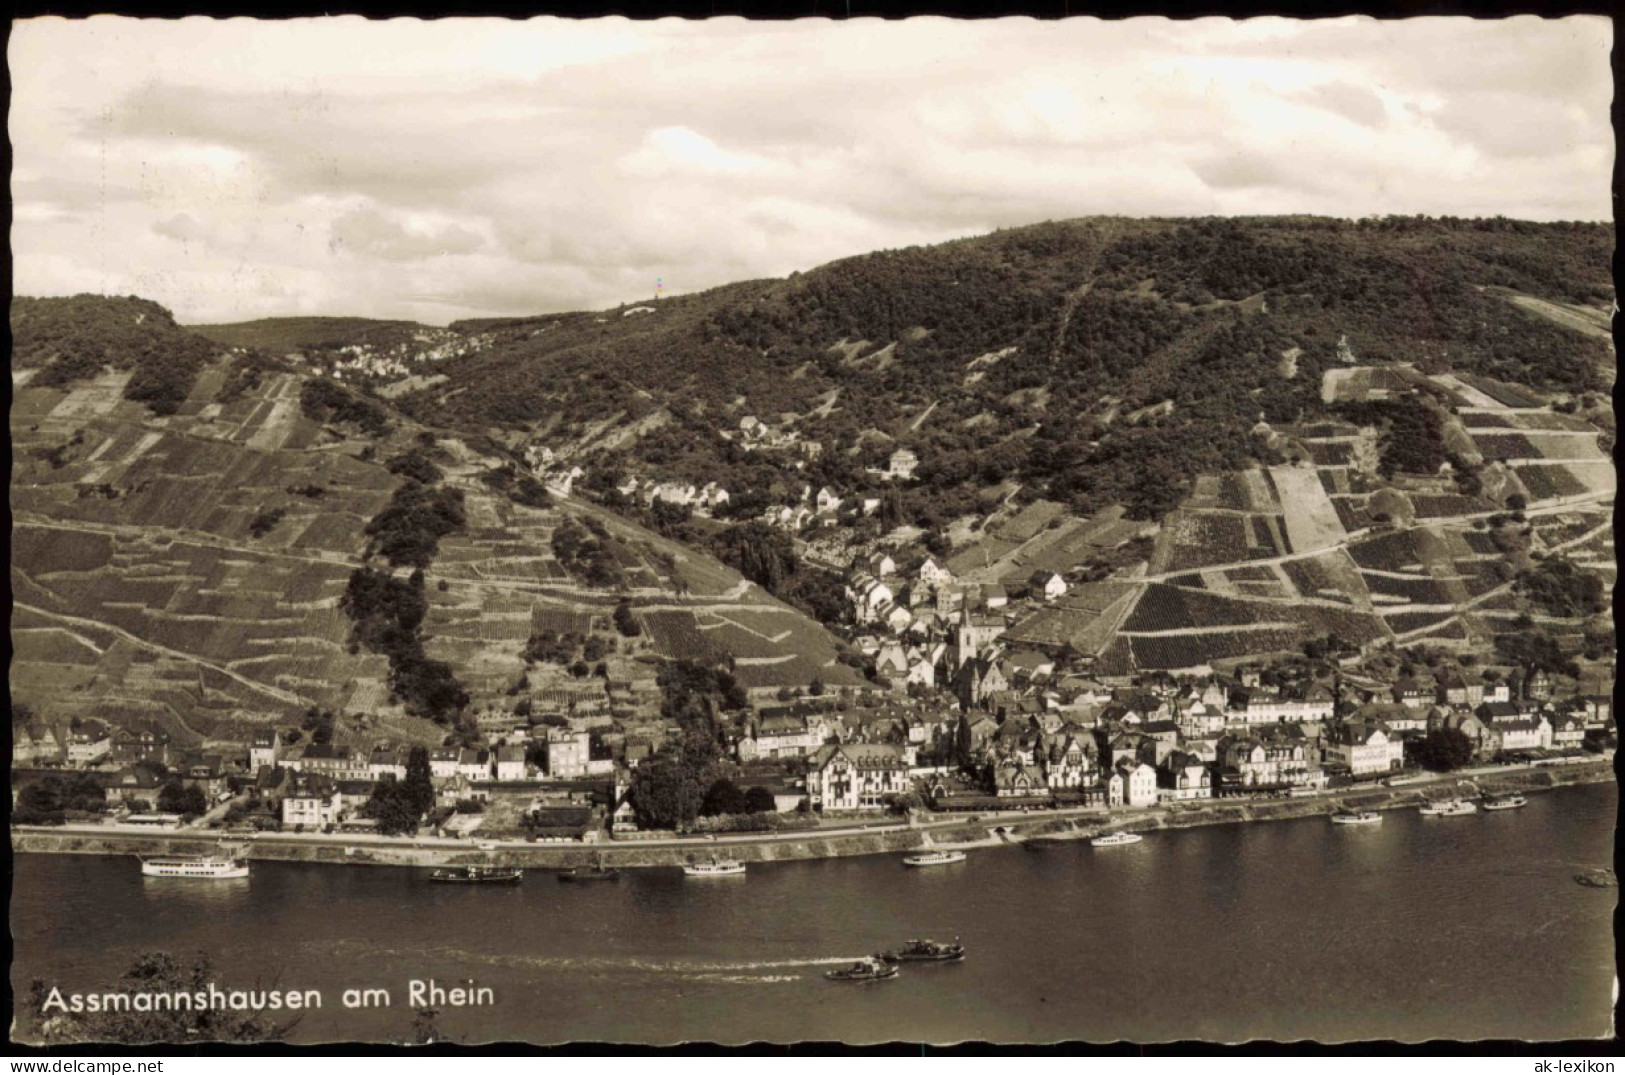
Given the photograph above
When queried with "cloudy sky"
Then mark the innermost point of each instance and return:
(238, 169)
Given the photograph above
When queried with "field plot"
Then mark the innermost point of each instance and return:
(1449, 631)
(95, 398)
(560, 621)
(1416, 590)
(1444, 505)
(1084, 618)
(1030, 521)
(676, 635)
(736, 640)
(1500, 393)
(43, 550)
(1402, 623)
(1167, 608)
(1506, 446)
(1331, 453)
(1195, 652)
(276, 422)
(1488, 420)
(1311, 519)
(1397, 550)
(1598, 477)
(980, 555)
(1552, 445)
(1331, 575)
(1552, 422)
(1197, 539)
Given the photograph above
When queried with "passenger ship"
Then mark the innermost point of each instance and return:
(934, 858)
(715, 868)
(1448, 808)
(219, 866)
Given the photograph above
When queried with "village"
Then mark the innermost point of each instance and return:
(960, 719)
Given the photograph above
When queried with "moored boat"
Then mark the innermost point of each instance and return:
(1505, 802)
(216, 867)
(1116, 839)
(864, 970)
(478, 875)
(1043, 843)
(715, 868)
(933, 858)
(1448, 808)
(1364, 817)
(925, 951)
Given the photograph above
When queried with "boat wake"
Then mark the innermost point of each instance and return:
(738, 971)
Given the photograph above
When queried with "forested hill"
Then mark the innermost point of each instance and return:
(280, 335)
(72, 339)
(1033, 349)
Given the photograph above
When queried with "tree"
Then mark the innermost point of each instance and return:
(394, 807)
(1443, 749)
(418, 784)
(625, 622)
(723, 797)
(176, 798)
(759, 800)
(39, 803)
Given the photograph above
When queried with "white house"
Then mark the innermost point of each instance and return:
(265, 750)
(856, 776)
(385, 762)
(902, 464)
(89, 744)
(1047, 584)
(1365, 748)
(474, 764)
(312, 811)
(933, 574)
(511, 763)
(881, 565)
(1182, 776)
(567, 753)
(443, 763)
(922, 671)
(1132, 783)
(827, 500)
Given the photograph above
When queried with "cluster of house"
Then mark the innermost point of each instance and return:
(319, 785)
(133, 764)
(1021, 732)
(702, 500)
(365, 362)
(926, 629)
(1163, 740)
(753, 434)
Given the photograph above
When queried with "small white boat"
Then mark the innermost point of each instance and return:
(1505, 802)
(934, 858)
(1448, 808)
(195, 867)
(714, 868)
(1365, 817)
(1116, 839)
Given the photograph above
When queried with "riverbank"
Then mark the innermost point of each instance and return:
(987, 830)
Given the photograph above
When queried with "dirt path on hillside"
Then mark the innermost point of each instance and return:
(83, 621)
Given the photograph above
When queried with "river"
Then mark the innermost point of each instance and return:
(1459, 928)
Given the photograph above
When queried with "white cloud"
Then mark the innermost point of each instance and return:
(460, 168)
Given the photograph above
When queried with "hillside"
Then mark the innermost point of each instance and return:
(1027, 346)
(1228, 439)
(251, 556)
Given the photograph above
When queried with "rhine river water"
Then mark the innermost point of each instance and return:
(1460, 928)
